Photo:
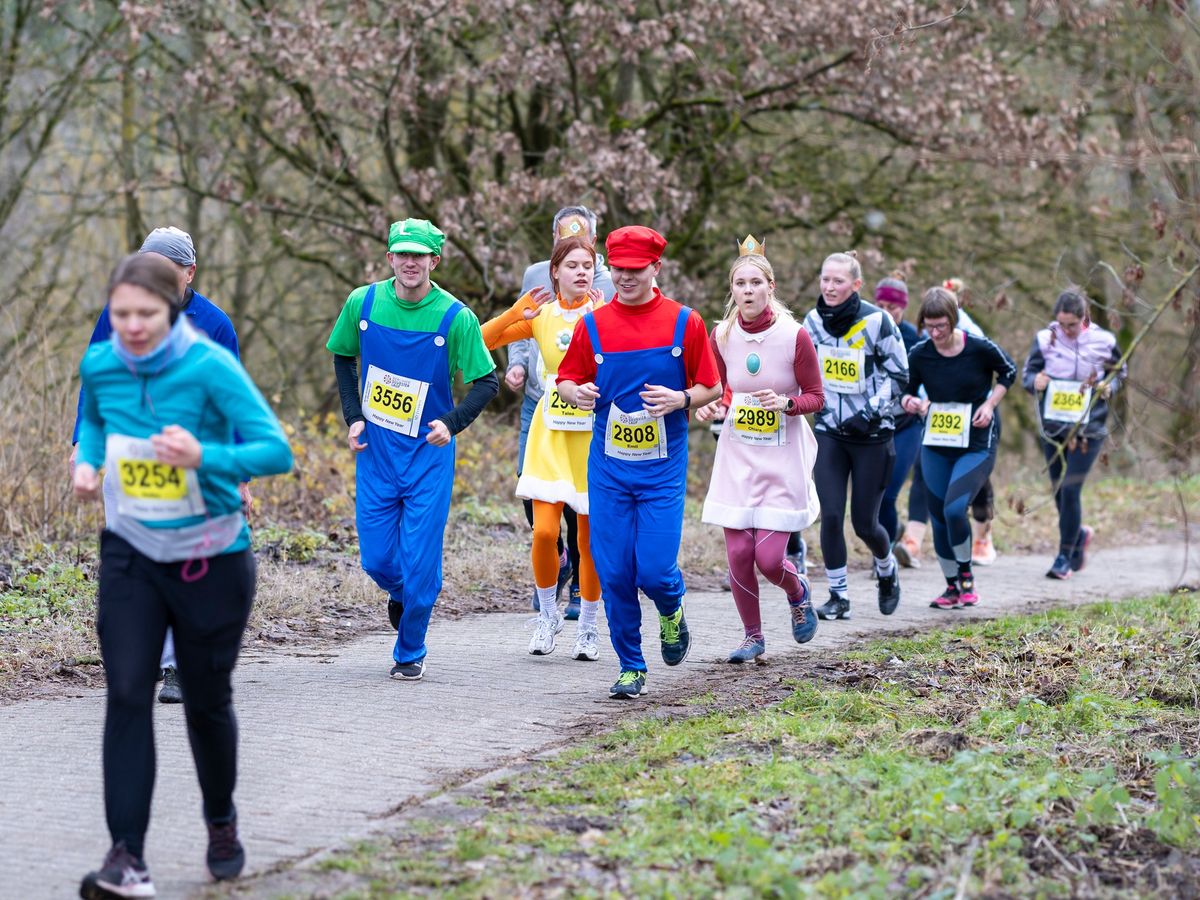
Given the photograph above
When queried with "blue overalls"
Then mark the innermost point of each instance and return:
(403, 482)
(637, 503)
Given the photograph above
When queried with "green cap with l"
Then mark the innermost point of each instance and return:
(415, 236)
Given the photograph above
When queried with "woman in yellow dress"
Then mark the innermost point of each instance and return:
(556, 452)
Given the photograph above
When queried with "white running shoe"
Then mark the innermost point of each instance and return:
(542, 642)
(587, 645)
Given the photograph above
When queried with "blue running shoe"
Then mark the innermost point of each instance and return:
(571, 613)
(804, 617)
(751, 648)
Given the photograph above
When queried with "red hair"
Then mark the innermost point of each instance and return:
(564, 247)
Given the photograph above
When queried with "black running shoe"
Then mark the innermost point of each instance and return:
(630, 684)
(836, 607)
(889, 592)
(674, 636)
(395, 611)
(1060, 568)
(170, 692)
(413, 671)
(121, 875)
(225, 856)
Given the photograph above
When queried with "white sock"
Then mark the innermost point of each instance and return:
(837, 580)
(548, 601)
(885, 567)
(588, 610)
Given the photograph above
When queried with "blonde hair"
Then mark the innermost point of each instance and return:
(955, 287)
(761, 263)
(847, 258)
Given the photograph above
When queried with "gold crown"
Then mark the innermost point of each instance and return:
(573, 226)
(752, 245)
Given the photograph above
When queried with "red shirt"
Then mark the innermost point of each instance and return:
(623, 327)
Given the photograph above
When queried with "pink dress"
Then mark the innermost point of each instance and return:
(762, 477)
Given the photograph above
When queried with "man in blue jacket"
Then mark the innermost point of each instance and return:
(206, 317)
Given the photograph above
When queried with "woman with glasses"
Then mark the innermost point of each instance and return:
(965, 378)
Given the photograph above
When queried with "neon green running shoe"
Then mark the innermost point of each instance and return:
(630, 684)
(673, 633)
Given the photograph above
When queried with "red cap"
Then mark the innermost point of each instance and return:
(634, 247)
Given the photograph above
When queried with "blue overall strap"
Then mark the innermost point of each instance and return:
(589, 322)
(451, 311)
(681, 326)
(365, 314)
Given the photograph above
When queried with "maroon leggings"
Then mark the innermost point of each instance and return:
(750, 547)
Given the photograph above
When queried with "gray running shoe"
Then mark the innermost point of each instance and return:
(170, 692)
(121, 875)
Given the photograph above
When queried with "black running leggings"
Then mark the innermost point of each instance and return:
(137, 599)
(865, 469)
(1067, 481)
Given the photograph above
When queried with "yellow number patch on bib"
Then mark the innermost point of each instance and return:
(756, 421)
(391, 402)
(635, 437)
(145, 479)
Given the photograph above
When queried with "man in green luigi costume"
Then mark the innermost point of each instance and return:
(412, 337)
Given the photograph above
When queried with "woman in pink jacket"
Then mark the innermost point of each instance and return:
(761, 489)
(1067, 370)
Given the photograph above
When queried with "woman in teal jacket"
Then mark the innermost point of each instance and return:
(161, 407)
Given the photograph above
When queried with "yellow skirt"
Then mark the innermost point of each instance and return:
(555, 468)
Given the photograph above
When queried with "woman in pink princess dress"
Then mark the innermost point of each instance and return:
(762, 489)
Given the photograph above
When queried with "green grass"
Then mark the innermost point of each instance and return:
(1038, 756)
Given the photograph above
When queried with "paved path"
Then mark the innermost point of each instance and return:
(330, 745)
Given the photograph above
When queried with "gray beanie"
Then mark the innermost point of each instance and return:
(171, 242)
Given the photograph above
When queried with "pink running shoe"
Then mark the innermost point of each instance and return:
(966, 590)
(947, 600)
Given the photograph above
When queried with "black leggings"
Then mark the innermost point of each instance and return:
(1068, 486)
(866, 470)
(572, 537)
(137, 599)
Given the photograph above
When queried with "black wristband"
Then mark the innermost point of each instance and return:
(687, 400)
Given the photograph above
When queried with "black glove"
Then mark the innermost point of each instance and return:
(862, 423)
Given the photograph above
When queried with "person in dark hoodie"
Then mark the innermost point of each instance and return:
(864, 369)
(1069, 359)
